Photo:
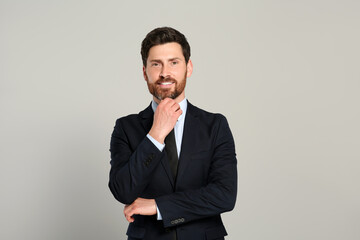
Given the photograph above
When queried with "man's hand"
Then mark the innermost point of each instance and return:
(140, 206)
(165, 117)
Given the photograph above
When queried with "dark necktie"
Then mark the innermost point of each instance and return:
(171, 150)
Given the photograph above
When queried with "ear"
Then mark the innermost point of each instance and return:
(189, 68)
(144, 73)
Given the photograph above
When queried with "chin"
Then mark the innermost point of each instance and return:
(162, 96)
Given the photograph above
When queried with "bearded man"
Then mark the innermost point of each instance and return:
(173, 165)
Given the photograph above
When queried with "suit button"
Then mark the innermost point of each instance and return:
(167, 230)
(147, 162)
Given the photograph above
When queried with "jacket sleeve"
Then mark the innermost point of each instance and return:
(130, 170)
(218, 196)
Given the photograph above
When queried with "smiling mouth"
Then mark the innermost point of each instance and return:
(165, 84)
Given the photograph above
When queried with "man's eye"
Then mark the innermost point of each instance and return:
(155, 64)
(174, 63)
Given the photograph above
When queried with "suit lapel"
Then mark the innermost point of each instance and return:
(189, 140)
(147, 117)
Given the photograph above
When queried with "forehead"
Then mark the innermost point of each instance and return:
(166, 51)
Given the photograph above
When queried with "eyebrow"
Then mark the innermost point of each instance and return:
(171, 59)
(155, 60)
(176, 58)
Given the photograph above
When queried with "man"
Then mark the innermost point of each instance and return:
(173, 165)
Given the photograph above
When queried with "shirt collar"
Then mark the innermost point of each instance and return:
(183, 107)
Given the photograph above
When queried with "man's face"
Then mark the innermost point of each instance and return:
(166, 72)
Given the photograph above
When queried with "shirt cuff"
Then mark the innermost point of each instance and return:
(158, 213)
(156, 143)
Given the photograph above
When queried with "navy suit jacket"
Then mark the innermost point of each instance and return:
(206, 182)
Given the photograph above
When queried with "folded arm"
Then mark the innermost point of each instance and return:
(131, 171)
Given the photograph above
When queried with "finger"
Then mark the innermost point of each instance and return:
(166, 101)
(128, 211)
(164, 104)
(130, 219)
(175, 106)
(179, 111)
(129, 214)
(124, 211)
(177, 114)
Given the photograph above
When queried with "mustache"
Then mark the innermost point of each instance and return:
(169, 79)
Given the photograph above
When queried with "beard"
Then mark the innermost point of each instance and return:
(161, 94)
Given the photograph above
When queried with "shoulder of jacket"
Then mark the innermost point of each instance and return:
(208, 115)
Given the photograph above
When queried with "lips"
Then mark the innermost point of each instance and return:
(166, 83)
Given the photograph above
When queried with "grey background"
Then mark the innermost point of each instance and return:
(285, 73)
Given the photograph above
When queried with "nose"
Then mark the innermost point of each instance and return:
(165, 73)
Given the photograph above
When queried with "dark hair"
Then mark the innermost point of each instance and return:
(164, 35)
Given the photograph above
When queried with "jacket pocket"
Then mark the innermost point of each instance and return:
(215, 233)
(135, 231)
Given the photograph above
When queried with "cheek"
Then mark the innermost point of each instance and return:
(177, 74)
(148, 77)
(152, 76)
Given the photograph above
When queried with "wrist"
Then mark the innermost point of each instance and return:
(157, 136)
